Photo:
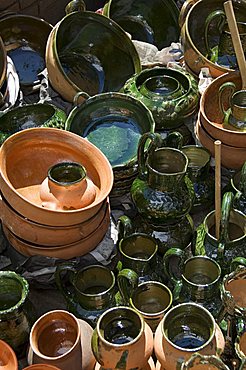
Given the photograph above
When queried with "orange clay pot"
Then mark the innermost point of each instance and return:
(8, 359)
(41, 367)
(66, 251)
(122, 333)
(172, 345)
(50, 236)
(32, 152)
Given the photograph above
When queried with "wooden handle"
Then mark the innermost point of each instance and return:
(232, 23)
(217, 156)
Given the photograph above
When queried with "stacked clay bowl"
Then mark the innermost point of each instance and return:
(209, 125)
(31, 227)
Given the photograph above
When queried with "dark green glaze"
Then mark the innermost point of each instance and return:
(238, 184)
(3, 67)
(201, 177)
(155, 22)
(14, 322)
(168, 110)
(162, 193)
(29, 116)
(94, 53)
(198, 280)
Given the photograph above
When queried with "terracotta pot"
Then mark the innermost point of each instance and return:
(121, 331)
(66, 251)
(41, 367)
(38, 149)
(112, 51)
(173, 342)
(8, 360)
(211, 116)
(192, 33)
(55, 340)
(231, 156)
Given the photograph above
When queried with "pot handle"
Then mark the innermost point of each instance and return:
(184, 11)
(226, 85)
(177, 283)
(124, 227)
(65, 267)
(82, 94)
(242, 183)
(75, 6)
(236, 262)
(127, 281)
(224, 223)
(153, 140)
(174, 140)
(217, 13)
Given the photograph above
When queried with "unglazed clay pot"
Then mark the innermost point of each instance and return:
(8, 360)
(33, 152)
(122, 332)
(41, 367)
(184, 330)
(55, 340)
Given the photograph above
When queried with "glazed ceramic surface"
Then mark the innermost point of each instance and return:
(193, 30)
(25, 40)
(28, 116)
(3, 67)
(8, 360)
(199, 362)
(143, 20)
(156, 89)
(42, 148)
(91, 53)
(238, 184)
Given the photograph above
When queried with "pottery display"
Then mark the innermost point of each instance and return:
(186, 329)
(199, 173)
(42, 148)
(91, 53)
(238, 184)
(24, 38)
(199, 280)
(232, 235)
(55, 340)
(8, 360)
(15, 323)
(28, 116)
(113, 122)
(162, 192)
(122, 332)
(142, 20)
(170, 94)
(199, 362)
(193, 21)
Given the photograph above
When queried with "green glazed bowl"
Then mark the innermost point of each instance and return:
(29, 116)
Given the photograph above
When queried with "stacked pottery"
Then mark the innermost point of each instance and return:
(60, 207)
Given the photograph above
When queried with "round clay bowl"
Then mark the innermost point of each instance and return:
(41, 367)
(65, 251)
(50, 236)
(106, 57)
(32, 152)
(211, 117)
(231, 156)
(8, 359)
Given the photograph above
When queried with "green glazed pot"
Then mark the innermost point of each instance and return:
(14, 322)
(28, 116)
(170, 94)
(162, 193)
(204, 362)
(238, 184)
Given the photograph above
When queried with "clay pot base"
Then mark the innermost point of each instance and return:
(89, 361)
(149, 366)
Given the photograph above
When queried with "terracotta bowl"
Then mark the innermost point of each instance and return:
(50, 236)
(66, 251)
(41, 367)
(8, 359)
(210, 116)
(231, 156)
(25, 158)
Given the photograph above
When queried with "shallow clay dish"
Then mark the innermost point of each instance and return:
(211, 117)
(8, 360)
(32, 152)
(41, 367)
(231, 156)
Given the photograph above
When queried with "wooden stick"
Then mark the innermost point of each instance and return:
(217, 150)
(232, 23)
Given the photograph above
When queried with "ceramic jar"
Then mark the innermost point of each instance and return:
(238, 184)
(162, 192)
(15, 323)
(199, 281)
(199, 173)
(8, 360)
(186, 329)
(170, 94)
(55, 340)
(122, 332)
